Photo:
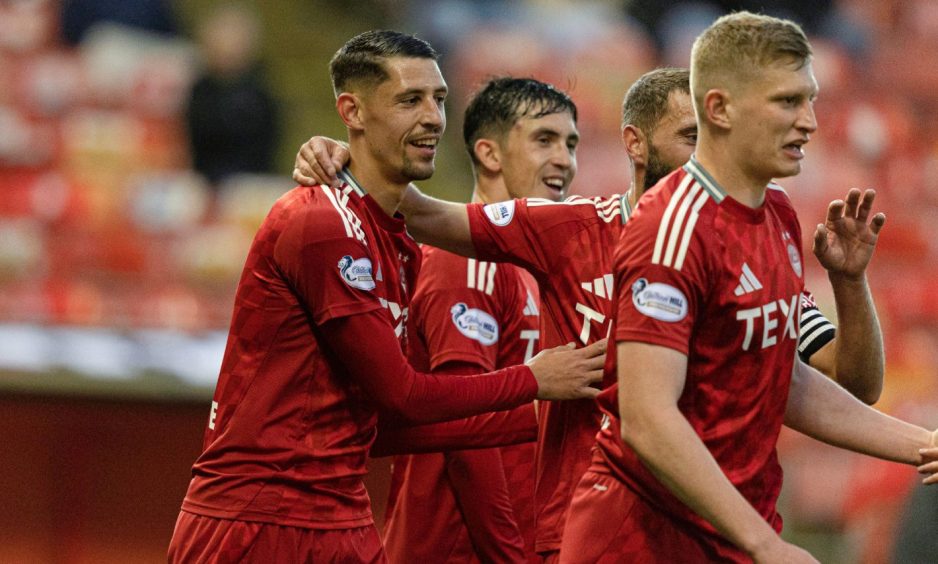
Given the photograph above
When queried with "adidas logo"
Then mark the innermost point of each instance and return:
(531, 307)
(602, 287)
(748, 282)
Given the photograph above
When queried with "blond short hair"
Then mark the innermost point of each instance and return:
(736, 47)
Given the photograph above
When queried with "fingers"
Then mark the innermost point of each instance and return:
(596, 349)
(866, 205)
(820, 240)
(595, 375)
(853, 202)
(835, 211)
(878, 221)
(589, 393)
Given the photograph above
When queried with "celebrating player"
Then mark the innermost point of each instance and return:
(472, 316)
(569, 247)
(709, 274)
(315, 348)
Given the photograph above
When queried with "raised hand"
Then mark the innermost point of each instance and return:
(319, 160)
(844, 243)
(566, 373)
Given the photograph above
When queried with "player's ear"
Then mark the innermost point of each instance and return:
(636, 144)
(489, 155)
(716, 106)
(350, 109)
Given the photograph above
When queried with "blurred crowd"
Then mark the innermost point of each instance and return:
(137, 159)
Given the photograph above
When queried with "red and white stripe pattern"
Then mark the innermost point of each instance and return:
(681, 215)
(480, 275)
(608, 208)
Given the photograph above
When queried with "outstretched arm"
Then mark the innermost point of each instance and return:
(844, 245)
(437, 222)
(651, 379)
(823, 410)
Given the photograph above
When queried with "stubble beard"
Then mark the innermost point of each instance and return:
(656, 169)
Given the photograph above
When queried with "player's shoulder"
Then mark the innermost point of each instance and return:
(776, 196)
(442, 270)
(322, 212)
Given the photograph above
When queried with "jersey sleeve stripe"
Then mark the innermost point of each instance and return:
(490, 285)
(665, 224)
(339, 210)
(679, 223)
(692, 222)
(471, 273)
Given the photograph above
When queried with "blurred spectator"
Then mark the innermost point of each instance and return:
(232, 117)
(78, 16)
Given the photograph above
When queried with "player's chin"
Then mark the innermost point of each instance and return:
(419, 170)
(787, 168)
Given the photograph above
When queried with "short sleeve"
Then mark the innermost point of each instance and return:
(656, 304)
(527, 232)
(459, 310)
(333, 275)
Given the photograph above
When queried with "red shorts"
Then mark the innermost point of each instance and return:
(200, 539)
(608, 522)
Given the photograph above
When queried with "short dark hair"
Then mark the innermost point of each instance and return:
(361, 59)
(495, 109)
(646, 101)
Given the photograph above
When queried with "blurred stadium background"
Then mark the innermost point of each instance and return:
(119, 259)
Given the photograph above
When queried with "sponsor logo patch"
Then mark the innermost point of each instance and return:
(357, 272)
(475, 324)
(659, 301)
(501, 213)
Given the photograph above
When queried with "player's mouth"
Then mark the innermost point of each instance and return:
(426, 146)
(555, 184)
(795, 149)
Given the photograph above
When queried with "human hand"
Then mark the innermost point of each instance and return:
(844, 243)
(929, 463)
(565, 372)
(318, 161)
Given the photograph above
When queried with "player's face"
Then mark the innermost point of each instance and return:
(774, 119)
(673, 140)
(540, 156)
(404, 118)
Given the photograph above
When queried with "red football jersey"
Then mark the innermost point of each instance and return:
(567, 246)
(308, 363)
(485, 315)
(722, 283)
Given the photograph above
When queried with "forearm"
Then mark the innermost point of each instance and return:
(823, 410)
(402, 393)
(501, 428)
(443, 224)
(674, 453)
(859, 362)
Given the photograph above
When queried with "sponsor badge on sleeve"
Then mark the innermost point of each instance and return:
(357, 272)
(659, 301)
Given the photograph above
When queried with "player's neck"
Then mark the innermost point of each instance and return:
(730, 174)
(387, 192)
(490, 189)
(638, 186)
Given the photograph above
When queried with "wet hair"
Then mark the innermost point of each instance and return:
(736, 47)
(495, 109)
(646, 101)
(360, 62)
